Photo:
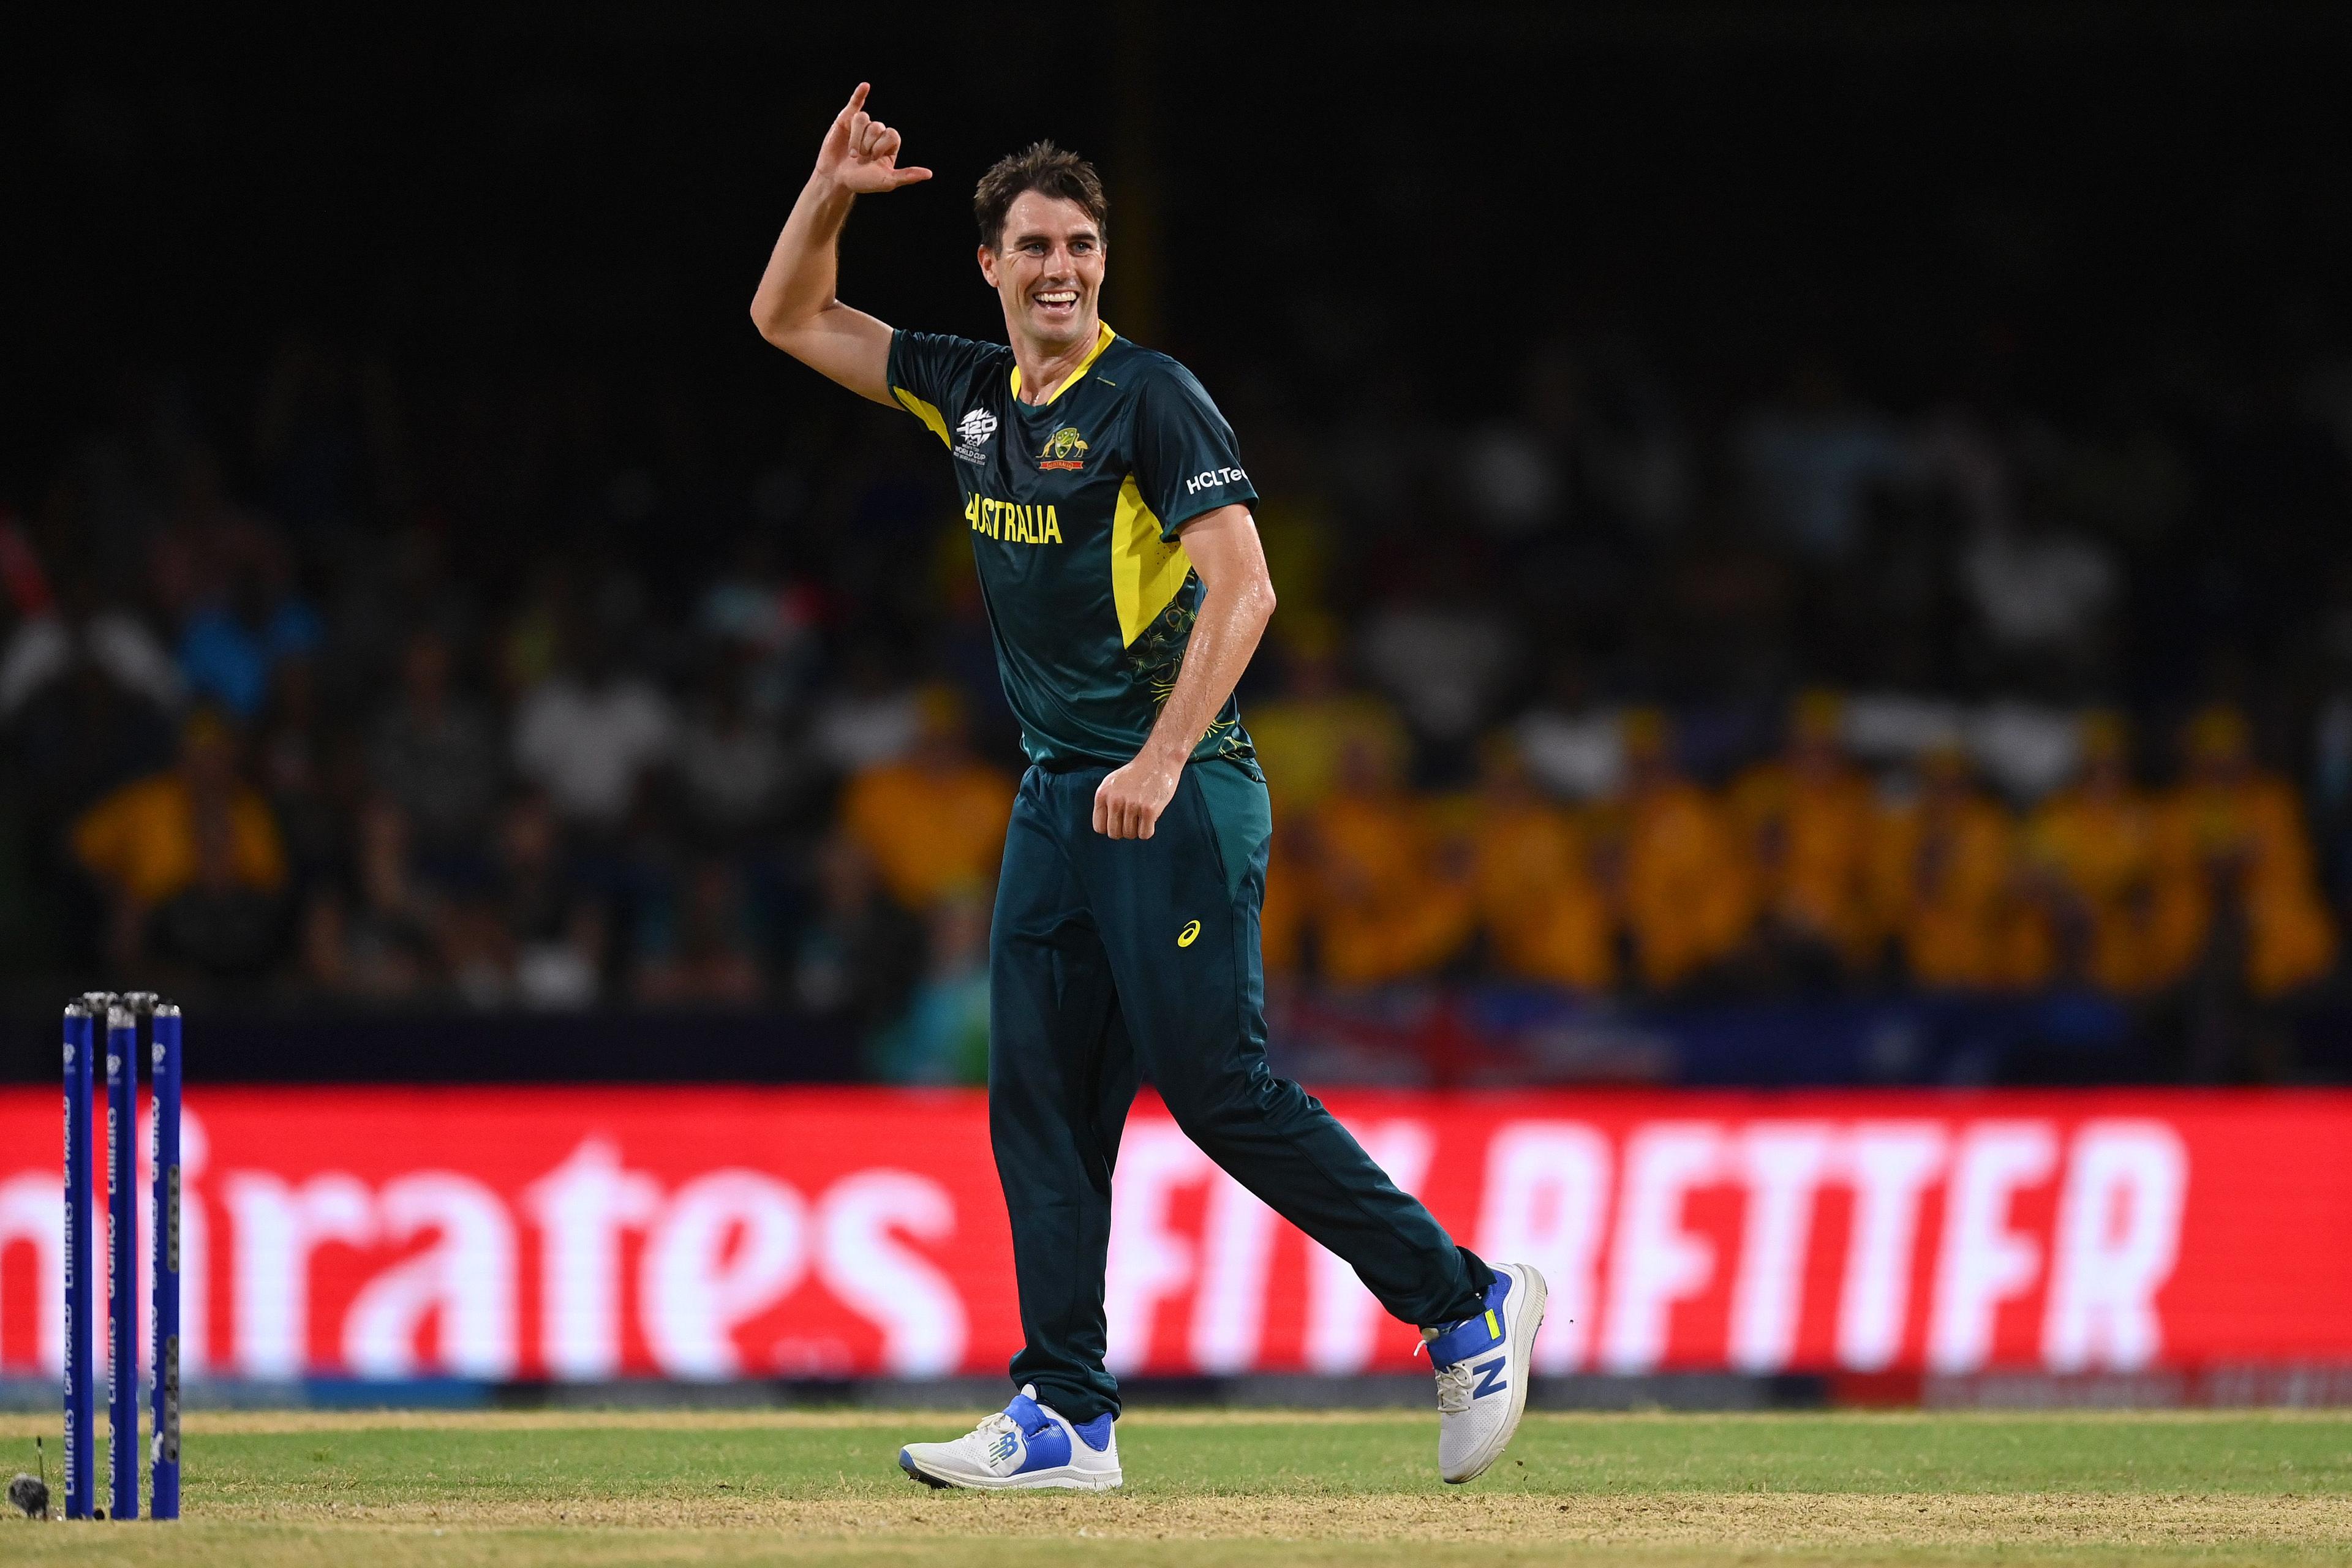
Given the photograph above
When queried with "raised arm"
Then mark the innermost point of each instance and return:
(1237, 601)
(794, 308)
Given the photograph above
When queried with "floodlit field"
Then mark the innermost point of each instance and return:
(384, 1490)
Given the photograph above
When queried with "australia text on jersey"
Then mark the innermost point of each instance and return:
(1012, 523)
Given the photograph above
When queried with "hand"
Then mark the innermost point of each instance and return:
(861, 154)
(1129, 802)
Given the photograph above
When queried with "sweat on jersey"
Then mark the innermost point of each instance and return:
(1074, 504)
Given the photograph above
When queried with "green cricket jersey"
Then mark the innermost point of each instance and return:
(1074, 504)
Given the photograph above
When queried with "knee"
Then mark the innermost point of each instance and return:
(1213, 1106)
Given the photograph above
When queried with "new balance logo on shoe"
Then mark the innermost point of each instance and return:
(1490, 1377)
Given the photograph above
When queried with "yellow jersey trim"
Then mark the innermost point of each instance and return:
(928, 413)
(1102, 341)
(1146, 571)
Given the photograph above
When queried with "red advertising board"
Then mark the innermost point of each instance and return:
(717, 1233)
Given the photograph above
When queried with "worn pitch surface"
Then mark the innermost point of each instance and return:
(387, 1488)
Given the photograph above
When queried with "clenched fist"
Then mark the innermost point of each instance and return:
(1129, 801)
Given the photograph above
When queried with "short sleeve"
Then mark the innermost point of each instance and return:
(930, 372)
(1186, 460)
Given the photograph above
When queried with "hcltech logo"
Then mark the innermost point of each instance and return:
(1212, 479)
(1065, 450)
(973, 432)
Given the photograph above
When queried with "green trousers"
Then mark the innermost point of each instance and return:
(1113, 962)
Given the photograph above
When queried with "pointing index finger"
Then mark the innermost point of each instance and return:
(857, 101)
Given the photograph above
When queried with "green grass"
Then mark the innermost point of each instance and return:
(1252, 1488)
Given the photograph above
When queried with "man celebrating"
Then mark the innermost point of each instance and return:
(1109, 517)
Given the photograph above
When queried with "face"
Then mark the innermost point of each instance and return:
(1047, 270)
(208, 757)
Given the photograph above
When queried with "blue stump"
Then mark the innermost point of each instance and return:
(163, 1457)
(122, 1260)
(80, 1444)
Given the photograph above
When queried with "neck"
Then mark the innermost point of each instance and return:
(1045, 368)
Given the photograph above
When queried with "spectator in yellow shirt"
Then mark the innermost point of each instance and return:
(1688, 891)
(2235, 832)
(933, 822)
(1543, 911)
(1946, 874)
(1290, 894)
(1384, 905)
(1301, 734)
(156, 837)
(2095, 846)
(1807, 819)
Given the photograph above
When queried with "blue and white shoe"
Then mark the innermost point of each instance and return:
(1482, 1373)
(1024, 1445)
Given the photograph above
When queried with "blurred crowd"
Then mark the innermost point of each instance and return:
(538, 691)
(1803, 873)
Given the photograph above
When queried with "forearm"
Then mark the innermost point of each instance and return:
(1231, 621)
(1237, 601)
(794, 307)
(802, 268)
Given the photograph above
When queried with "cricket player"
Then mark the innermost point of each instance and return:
(1109, 514)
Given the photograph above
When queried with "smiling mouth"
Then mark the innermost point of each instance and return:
(1056, 300)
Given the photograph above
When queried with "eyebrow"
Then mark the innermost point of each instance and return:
(1048, 239)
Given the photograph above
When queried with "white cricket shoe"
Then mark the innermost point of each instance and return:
(1024, 1445)
(1482, 1373)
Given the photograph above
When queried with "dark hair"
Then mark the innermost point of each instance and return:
(1040, 167)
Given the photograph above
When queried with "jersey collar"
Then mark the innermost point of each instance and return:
(1102, 341)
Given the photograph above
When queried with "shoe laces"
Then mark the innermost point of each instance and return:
(1453, 1384)
(993, 1429)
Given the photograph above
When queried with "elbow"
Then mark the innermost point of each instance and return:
(773, 320)
(1265, 602)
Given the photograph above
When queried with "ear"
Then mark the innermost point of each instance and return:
(988, 266)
